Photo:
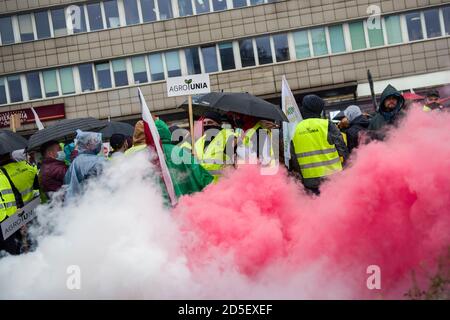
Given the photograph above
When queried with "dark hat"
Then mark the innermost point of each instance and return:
(213, 116)
(117, 140)
(313, 104)
(433, 93)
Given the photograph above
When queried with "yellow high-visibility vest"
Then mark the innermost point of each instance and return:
(8, 205)
(316, 157)
(248, 140)
(22, 176)
(135, 149)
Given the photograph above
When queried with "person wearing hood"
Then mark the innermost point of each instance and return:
(388, 113)
(353, 122)
(316, 145)
(139, 143)
(187, 176)
(87, 164)
(53, 167)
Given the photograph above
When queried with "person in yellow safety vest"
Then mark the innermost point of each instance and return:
(317, 145)
(211, 149)
(8, 207)
(139, 142)
(432, 101)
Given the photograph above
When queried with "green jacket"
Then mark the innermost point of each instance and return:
(187, 176)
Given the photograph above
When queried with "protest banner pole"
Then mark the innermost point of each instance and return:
(191, 124)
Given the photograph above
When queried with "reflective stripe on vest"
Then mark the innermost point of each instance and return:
(249, 140)
(316, 157)
(8, 205)
(22, 175)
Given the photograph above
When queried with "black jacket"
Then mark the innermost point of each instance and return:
(358, 124)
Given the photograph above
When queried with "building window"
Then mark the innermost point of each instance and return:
(42, 25)
(376, 38)
(95, 16)
(247, 53)
(281, 47)
(192, 61)
(25, 27)
(357, 35)
(219, 5)
(319, 41)
(173, 64)
(131, 11)
(227, 56)
(446, 12)
(393, 29)
(165, 9)
(34, 85)
(301, 41)
(120, 72)
(139, 69)
(79, 25)
(201, 6)
(86, 77)
(148, 10)
(15, 88)
(59, 22)
(6, 30)
(3, 99)
(111, 14)
(255, 2)
(185, 8)
(337, 41)
(239, 3)
(264, 50)
(432, 23)
(103, 75)
(156, 67)
(50, 83)
(210, 59)
(66, 79)
(414, 25)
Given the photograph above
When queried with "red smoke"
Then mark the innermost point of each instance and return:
(390, 208)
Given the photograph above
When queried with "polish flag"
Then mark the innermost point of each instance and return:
(154, 141)
(39, 124)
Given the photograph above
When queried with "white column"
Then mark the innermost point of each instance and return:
(121, 10)
(237, 55)
(291, 43)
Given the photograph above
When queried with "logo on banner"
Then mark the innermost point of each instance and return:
(185, 86)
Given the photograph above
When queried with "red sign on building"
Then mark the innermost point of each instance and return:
(45, 113)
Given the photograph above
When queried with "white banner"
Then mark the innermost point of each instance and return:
(20, 218)
(188, 85)
(290, 109)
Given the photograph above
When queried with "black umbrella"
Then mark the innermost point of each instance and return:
(242, 103)
(10, 141)
(113, 127)
(64, 130)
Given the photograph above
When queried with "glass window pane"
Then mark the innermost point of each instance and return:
(227, 56)
(131, 11)
(201, 6)
(393, 29)
(165, 9)
(42, 24)
(319, 41)
(103, 75)
(120, 72)
(247, 53)
(255, 2)
(50, 84)
(210, 59)
(281, 47)
(446, 12)
(139, 69)
(86, 77)
(95, 16)
(357, 35)
(414, 26)
(111, 14)
(15, 89)
(156, 67)
(26, 29)
(376, 38)
(66, 78)
(34, 85)
(148, 10)
(432, 23)
(219, 5)
(6, 30)
(264, 50)
(3, 99)
(59, 22)
(79, 21)
(185, 8)
(239, 3)
(173, 64)
(301, 44)
(337, 39)
(193, 61)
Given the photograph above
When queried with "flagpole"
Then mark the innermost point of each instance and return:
(191, 124)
